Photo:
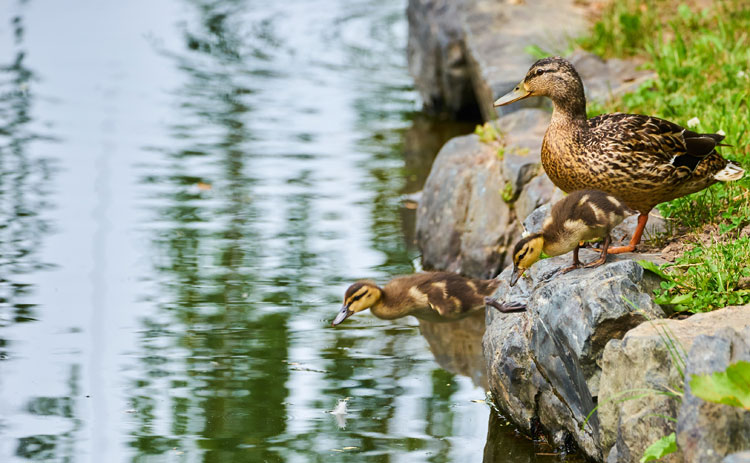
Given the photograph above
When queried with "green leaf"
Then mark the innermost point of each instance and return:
(660, 448)
(652, 267)
(682, 298)
(729, 387)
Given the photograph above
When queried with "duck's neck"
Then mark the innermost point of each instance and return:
(385, 310)
(570, 108)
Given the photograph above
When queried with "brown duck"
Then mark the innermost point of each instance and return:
(642, 160)
(433, 296)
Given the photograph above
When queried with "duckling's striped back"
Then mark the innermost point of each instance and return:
(583, 215)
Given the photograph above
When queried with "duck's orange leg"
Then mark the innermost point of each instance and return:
(642, 219)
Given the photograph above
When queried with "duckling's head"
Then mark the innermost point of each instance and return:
(360, 296)
(526, 252)
(553, 77)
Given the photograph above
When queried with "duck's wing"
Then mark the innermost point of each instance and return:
(638, 139)
(453, 295)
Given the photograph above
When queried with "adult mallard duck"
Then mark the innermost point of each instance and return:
(642, 160)
(434, 296)
(581, 216)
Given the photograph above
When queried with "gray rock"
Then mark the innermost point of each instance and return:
(523, 132)
(632, 425)
(539, 191)
(437, 58)
(542, 364)
(706, 431)
(463, 224)
(496, 36)
(739, 457)
(534, 221)
(604, 80)
(655, 226)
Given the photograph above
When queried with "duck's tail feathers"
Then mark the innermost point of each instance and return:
(729, 173)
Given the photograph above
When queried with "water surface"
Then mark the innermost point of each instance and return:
(187, 188)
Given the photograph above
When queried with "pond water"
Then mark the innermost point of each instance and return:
(187, 188)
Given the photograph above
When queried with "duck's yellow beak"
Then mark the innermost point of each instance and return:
(343, 315)
(516, 94)
(517, 272)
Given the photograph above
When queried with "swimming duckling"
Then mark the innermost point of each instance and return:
(433, 296)
(581, 216)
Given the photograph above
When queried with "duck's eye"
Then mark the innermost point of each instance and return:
(539, 72)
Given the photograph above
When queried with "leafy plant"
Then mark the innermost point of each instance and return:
(488, 133)
(702, 72)
(660, 448)
(704, 278)
(507, 193)
(729, 387)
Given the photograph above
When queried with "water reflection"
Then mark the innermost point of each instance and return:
(24, 199)
(457, 346)
(248, 163)
(24, 179)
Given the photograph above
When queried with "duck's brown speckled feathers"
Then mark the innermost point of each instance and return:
(435, 296)
(447, 294)
(582, 215)
(643, 160)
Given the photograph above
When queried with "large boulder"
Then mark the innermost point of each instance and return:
(645, 367)
(464, 54)
(497, 35)
(465, 220)
(437, 58)
(706, 432)
(543, 364)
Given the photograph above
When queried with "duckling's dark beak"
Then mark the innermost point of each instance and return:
(516, 94)
(343, 315)
(517, 272)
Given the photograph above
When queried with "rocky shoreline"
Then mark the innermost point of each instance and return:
(589, 335)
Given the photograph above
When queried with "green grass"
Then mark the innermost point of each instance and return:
(702, 61)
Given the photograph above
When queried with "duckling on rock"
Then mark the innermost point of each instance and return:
(643, 160)
(581, 216)
(433, 296)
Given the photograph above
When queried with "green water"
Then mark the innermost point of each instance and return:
(187, 188)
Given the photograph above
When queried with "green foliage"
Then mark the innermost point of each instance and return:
(705, 278)
(488, 133)
(702, 68)
(660, 448)
(507, 193)
(729, 387)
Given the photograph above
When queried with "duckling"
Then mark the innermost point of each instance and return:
(432, 296)
(581, 216)
(642, 160)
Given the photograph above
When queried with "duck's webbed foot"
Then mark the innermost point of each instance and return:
(576, 263)
(571, 268)
(507, 307)
(603, 258)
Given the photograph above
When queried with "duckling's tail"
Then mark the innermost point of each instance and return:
(729, 173)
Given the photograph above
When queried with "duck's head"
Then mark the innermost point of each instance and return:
(526, 252)
(553, 77)
(360, 296)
